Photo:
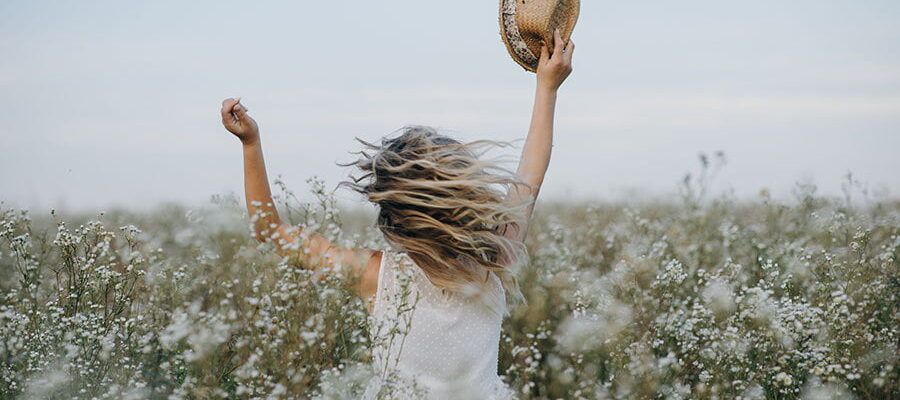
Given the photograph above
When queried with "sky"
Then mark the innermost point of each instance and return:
(115, 104)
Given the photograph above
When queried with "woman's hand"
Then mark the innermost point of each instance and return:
(236, 121)
(553, 69)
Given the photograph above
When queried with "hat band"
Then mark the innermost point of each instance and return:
(516, 42)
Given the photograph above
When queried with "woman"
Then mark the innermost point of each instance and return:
(439, 295)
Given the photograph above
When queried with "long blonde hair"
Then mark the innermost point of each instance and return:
(444, 206)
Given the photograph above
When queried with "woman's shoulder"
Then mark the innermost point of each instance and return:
(368, 280)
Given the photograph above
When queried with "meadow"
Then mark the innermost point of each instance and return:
(695, 296)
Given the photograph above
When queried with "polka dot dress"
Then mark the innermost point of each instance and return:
(445, 344)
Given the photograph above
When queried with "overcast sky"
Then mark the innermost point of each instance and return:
(106, 103)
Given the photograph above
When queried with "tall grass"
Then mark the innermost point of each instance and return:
(693, 297)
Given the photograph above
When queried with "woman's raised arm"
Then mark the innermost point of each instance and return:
(553, 69)
(311, 250)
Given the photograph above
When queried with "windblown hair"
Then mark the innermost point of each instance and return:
(445, 207)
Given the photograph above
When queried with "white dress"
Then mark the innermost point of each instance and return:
(445, 345)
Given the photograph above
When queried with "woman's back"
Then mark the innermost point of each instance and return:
(446, 344)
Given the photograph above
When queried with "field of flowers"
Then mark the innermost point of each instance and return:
(694, 297)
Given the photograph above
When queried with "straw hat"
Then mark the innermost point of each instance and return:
(524, 24)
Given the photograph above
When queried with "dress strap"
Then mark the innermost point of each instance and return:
(385, 277)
